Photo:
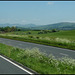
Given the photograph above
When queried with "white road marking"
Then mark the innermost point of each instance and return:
(16, 65)
(63, 54)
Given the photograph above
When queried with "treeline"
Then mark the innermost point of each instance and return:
(43, 31)
(48, 31)
(9, 29)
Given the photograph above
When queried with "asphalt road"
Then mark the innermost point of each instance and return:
(57, 52)
(9, 67)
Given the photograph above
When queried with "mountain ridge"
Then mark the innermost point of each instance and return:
(60, 26)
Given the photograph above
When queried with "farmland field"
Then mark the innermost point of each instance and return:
(69, 34)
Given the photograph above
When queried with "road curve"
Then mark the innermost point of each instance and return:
(57, 52)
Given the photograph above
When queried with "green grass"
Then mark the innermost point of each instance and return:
(63, 39)
(38, 61)
(69, 34)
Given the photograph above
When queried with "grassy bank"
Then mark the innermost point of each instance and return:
(38, 61)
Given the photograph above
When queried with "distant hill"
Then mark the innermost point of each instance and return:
(18, 25)
(60, 26)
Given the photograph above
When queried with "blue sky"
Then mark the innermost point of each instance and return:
(37, 12)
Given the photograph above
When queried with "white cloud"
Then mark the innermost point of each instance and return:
(13, 21)
(23, 21)
(49, 3)
(36, 20)
(69, 21)
(20, 21)
(4, 20)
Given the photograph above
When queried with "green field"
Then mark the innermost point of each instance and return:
(68, 34)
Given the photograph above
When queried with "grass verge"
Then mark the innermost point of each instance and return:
(38, 61)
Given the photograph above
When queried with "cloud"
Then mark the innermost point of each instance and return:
(23, 21)
(13, 21)
(50, 3)
(36, 20)
(4, 20)
(69, 21)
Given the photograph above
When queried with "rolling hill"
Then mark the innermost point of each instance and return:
(18, 25)
(60, 26)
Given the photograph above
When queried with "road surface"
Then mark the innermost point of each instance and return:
(57, 52)
(9, 67)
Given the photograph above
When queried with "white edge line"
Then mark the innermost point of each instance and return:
(16, 65)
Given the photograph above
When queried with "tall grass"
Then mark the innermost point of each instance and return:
(39, 61)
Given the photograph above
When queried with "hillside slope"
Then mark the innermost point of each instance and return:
(60, 26)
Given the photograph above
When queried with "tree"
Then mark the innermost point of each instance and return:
(18, 29)
(54, 30)
(7, 29)
(13, 28)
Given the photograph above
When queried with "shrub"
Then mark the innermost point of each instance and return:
(37, 37)
(41, 32)
(45, 31)
(54, 30)
(30, 36)
(29, 33)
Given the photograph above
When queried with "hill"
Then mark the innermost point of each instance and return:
(18, 25)
(60, 26)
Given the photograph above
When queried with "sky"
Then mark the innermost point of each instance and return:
(37, 12)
